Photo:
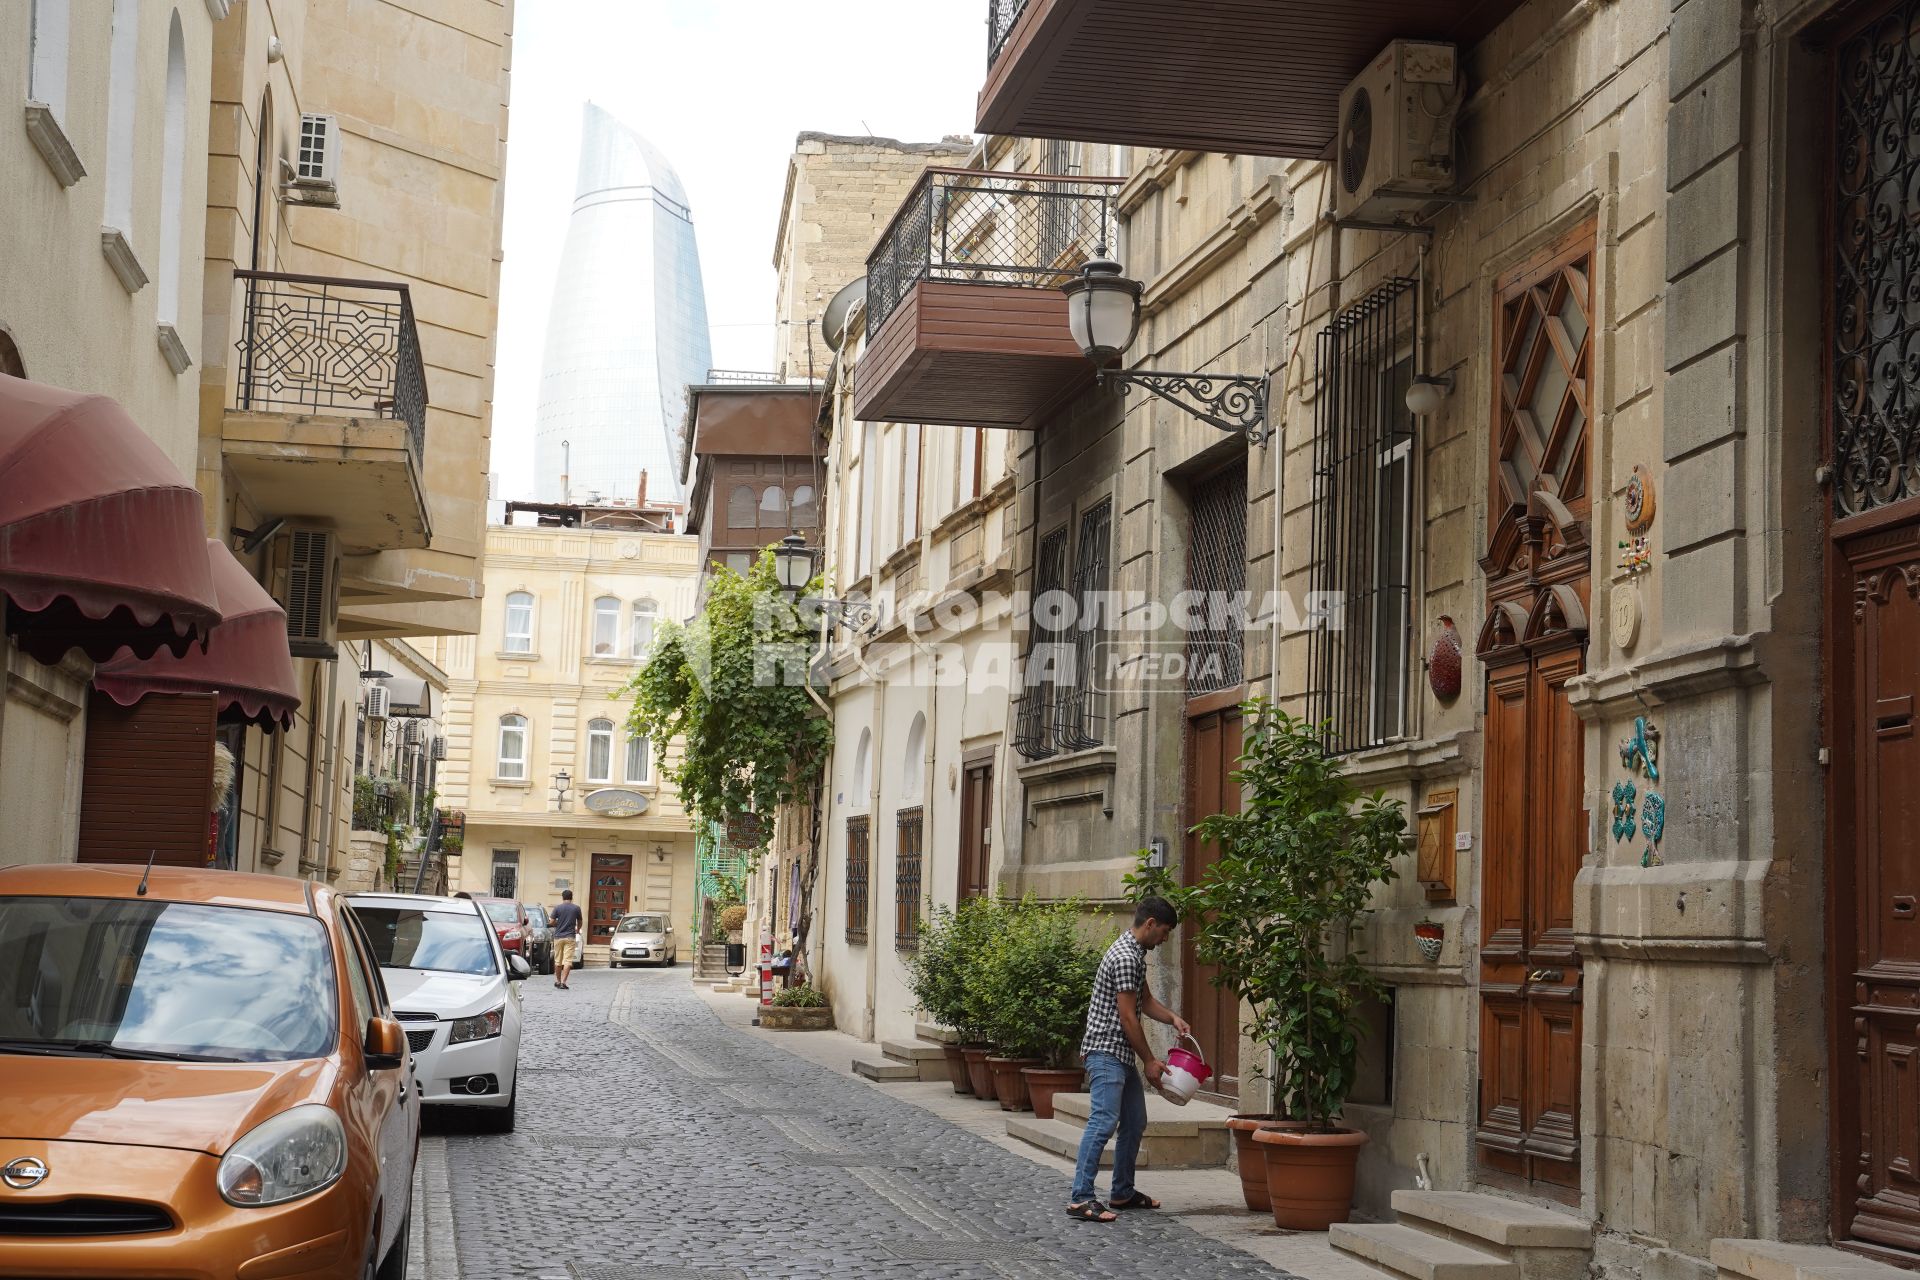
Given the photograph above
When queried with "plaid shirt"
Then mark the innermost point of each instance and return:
(1123, 968)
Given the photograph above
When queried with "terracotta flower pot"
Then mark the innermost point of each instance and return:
(1044, 1082)
(1009, 1084)
(1310, 1175)
(957, 1068)
(1252, 1157)
(979, 1074)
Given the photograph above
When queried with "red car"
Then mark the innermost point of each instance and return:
(509, 921)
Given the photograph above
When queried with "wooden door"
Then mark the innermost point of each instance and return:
(976, 830)
(1529, 972)
(147, 785)
(1213, 752)
(610, 894)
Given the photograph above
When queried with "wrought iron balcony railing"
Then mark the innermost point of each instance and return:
(1027, 229)
(1001, 15)
(318, 344)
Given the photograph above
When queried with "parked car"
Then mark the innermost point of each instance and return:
(458, 996)
(509, 920)
(202, 1075)
(643, 938)
(539, 938)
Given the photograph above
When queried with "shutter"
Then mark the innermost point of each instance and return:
(147, 785)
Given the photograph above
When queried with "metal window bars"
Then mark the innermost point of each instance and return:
(1001, 17)
(1034, 720)
(1080, 711)
(1024, 229)
(906, 880)
(1063, 706)
(859, 877)
(318, 344)
(1361, 528)
(1217, 576)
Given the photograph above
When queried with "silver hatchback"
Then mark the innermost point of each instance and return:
(642, 938)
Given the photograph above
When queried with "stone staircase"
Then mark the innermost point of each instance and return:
(901, 1061)
(1464, 1235)
(710, 962)
(1191, 1137)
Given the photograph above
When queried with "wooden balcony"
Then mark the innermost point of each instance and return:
(966, 324)
(1198, 75)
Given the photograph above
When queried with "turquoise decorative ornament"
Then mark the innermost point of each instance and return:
(1624, 796)
(1653, 819)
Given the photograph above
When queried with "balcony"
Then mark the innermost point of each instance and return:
(966, 324)
(1198, 75)
(330, 408)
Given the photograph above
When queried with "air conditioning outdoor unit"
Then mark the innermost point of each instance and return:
(316, 170)
(439, 748)
(311, 592)
(410, 733)
(377, 703)
(1395, 151)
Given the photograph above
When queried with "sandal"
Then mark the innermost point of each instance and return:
(1139, 1200)
(1090, 1211)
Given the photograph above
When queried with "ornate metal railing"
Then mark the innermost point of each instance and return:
(1028, 229)
(319, 344)
(741, 377)
(1001, 17)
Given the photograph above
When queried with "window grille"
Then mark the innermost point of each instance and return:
(1033, 727)
(906, 881)
(1359, 648)
(506, 873)
(1217, 575)
(1080, 710)
(859, 876)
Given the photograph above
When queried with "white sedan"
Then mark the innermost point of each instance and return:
(457, 995)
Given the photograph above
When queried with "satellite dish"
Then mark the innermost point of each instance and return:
(834, 324)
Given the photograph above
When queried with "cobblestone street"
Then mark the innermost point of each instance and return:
(698, 1152)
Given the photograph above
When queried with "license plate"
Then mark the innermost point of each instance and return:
(637, 951)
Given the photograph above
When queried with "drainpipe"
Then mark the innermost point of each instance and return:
(334, 722)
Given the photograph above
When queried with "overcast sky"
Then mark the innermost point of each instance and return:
(721, 87)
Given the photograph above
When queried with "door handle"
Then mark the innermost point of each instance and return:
(1545, 975)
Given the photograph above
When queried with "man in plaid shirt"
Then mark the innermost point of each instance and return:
(1113, 1038)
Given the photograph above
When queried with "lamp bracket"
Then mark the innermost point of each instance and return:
(1230, 402)
(857, 614)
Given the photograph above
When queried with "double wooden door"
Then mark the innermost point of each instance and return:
(1213, 753)
(609, 895)
(976, 830)
(1535, 833)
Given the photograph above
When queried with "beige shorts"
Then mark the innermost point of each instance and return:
(566, 950)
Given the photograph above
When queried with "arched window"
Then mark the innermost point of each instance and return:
(912, 767)
(806, 511)
(10, 361)
(645, 614)
(639, 760)
(606, 626)
(47, 67)
(862, 778)
(512, 765)
(773, 508)
(173, 175)
(600, 751)
(123, 74)
(519, 637)
(740, 507)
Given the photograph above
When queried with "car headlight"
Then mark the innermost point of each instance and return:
(295, 1154)
(482, 1026)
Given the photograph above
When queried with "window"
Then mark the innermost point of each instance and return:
(859, 873)
(506, 875)
(600, 751)
(806, 511)
(513, 749)
(639, 759)
(519, 622)
(741, 507)
(47, 68)
(741, 562)
(645, 613)
(1361, 593)
(361, 989)
(10, 361)
(906, 880)
(1216, 577)
(122, 89)
(773, 508)
(1062, 704)
(173, 175)
(606, 626)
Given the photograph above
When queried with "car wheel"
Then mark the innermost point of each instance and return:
(395, 1267)
(501, 1121)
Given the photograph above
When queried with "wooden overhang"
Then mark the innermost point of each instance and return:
(1249, 77)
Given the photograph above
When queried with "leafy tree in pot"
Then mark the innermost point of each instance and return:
(1037, 979)
(946, 973)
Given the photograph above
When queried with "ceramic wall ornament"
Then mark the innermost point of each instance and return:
(1625, 795)
(1636, 555)
(1624, 615)
(1640, 754)
(1639, 500)
(1443, 662)
(1653, 818)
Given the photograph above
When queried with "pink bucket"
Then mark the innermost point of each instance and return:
(1185, 1073)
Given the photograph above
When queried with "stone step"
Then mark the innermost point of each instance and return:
(1063, 1139)
(1194, 1117)
(1774, 1260)
(1507, 1224)
(1418, 1255)
(935, 1033)
(886, 1070)
(924, 1061)
(1191, 1137)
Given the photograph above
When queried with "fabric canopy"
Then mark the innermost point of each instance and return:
(102, 542)
(246, 660)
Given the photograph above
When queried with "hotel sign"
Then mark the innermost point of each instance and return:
(616, 802)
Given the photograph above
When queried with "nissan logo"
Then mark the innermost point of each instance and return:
(27, 1171)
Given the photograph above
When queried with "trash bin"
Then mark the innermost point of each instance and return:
(736, 957)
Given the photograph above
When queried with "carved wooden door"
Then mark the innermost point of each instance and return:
(976, 829)
(611, 892)
(1213, 754)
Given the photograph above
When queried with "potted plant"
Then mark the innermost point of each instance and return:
(951, 944)
(801, 1008)
(1428, 936)
(1276, 914)
(1043, 973)
(979, 924)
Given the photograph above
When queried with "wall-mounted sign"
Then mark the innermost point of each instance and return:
(616, 802)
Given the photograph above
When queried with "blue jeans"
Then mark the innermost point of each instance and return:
(1119, 1102)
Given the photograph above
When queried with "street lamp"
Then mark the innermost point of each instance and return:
(793, 561)
(1103, 314)
(562, 788)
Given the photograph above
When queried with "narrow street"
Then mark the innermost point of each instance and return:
(656, 1142)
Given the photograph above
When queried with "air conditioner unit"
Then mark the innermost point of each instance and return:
(1395, 150)
(377, 706)
(310, 592)
(439, 748)
(316, 170)
(410, 733)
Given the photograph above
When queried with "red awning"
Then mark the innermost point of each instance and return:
(246, 661)
(102, 543)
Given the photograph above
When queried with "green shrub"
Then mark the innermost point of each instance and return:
(945, 972)
(800, 998)
(1036, 980)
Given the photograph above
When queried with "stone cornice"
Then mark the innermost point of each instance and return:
(1418, 760)
(1676, 673)
(1227, 240)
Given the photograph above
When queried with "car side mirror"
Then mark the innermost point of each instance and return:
(386, 1044)
(518, 970)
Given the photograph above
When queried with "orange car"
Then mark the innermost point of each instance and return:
(200, 1076)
